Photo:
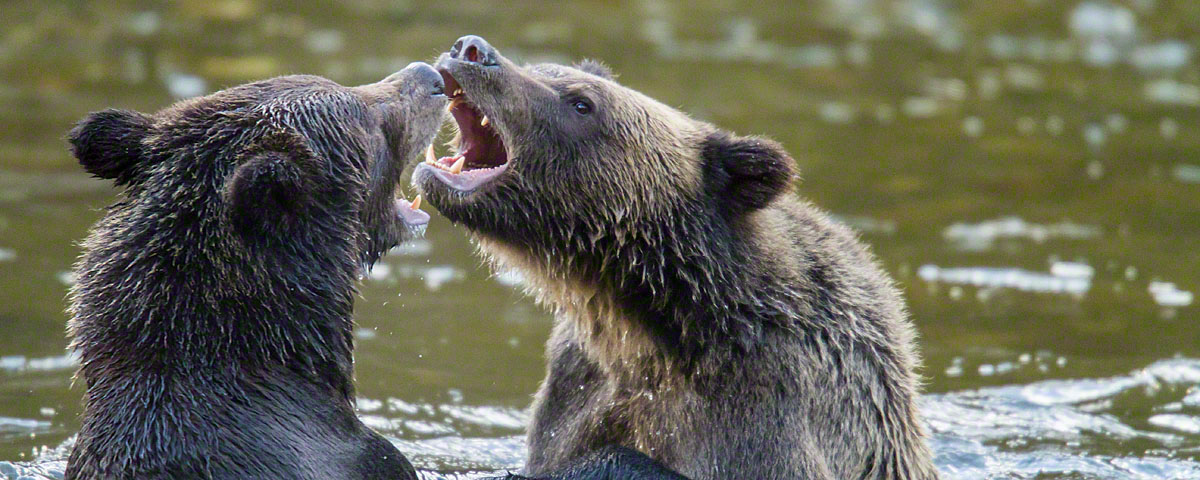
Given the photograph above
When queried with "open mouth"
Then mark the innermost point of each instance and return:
(481, 155)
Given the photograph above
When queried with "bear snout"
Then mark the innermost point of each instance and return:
(418, 77)
(475, 49)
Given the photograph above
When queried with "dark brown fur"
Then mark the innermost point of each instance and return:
(212, 313)
(706, 316)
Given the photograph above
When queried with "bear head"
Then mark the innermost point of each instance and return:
(542, 149)
(274, 163)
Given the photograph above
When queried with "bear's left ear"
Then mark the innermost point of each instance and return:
(272, 186)
(109, 145)
(595, 67)
(746, 173)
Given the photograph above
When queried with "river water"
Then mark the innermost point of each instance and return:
(1028, 170)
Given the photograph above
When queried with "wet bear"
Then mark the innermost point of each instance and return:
(212, 312)
(706, 315)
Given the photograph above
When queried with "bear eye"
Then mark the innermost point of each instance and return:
(582, 107)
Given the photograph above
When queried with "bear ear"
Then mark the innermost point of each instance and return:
(272, 186)
(595, 67)
(109, 144)
(746, 173)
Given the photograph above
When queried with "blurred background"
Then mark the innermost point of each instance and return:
(1028, 170)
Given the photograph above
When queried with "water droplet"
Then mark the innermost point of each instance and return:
(973, 126)
(885, 113)
(1054, 125)
(1026, 125)
(1094, 135)
(1169, 128)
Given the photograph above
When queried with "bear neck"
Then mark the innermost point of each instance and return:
(658, 295)
(149, 304)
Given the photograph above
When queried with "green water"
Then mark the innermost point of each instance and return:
(1028, 170)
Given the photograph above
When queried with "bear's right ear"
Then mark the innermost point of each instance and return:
(597, 68)
(109, 144)
(745, 173)
(271, 188)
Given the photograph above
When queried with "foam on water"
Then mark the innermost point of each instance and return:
(434, 276)
(985, 234)
(1071, 279)
(1172, 92)
(21, 426)
(19, 363)
(1187, 173)
(1168, 295)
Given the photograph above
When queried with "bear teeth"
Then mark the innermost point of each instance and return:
(458, 166)
(429, 156)
(456, 163)
(415, 204)
(484, 121)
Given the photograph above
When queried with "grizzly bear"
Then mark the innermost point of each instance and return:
(706, 315)
(212, 312)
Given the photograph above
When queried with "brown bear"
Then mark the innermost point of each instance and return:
(212, 312)
(706, 315)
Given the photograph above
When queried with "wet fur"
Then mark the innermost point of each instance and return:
(212, 312)
(705, 315)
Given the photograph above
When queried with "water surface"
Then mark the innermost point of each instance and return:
(1029, 171)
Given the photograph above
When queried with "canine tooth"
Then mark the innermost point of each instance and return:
(458, 165)
(429, 156)
(484, 121)
(416, 203)
(458, 92)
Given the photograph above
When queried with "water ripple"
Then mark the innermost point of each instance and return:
(1047, 428)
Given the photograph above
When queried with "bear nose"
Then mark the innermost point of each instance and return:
(420, 74)
(475, 49)
(426, 75)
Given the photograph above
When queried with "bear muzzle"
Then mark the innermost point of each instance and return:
(481, 153)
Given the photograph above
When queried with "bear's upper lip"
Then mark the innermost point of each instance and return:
(481, 154)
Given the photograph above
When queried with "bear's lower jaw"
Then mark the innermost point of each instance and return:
(465, 181)
(410, 213)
